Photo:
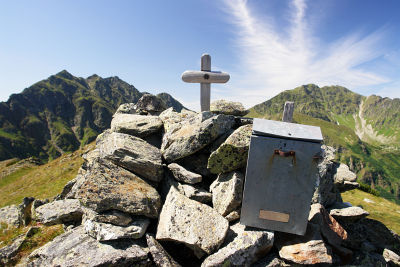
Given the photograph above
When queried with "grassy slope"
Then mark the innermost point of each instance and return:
(382, 210)
(44, 181)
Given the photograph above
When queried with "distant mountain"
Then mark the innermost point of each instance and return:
(62, 113)
(365, 130)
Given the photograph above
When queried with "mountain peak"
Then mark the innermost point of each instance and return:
(65, 74)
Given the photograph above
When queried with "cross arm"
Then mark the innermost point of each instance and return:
(192, 76)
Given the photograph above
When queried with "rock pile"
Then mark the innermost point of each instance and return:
(165, 188)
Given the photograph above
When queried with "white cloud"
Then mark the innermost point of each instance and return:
(275, 59)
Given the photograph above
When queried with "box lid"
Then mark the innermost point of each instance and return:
(287, 130)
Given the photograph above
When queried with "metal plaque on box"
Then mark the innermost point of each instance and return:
(280, 176)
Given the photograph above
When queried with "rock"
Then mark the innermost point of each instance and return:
(127, 108)
(114, 217)
(183, 175)
(247, 247)
(106, 231)
(326, 192)
(345, 179)
(8, 252)
(67, 211)
(232, 154)
(75, 248)
(349, 214)
(136, 125)
(170, 117)
(391, 258)
(272, 260)
(233, 216)
(160, 256)
(228, 108)
(105, 186)
(331, 230)
(197, 163)
(151, 104)
(189, 222)
(227, 191)
(11, 215)
(190, 137)
(39, 202)
(307, 249)
(132, 153)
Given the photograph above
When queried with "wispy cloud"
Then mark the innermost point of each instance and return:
(275, 59)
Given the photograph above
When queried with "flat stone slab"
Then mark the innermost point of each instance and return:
(190, 137)
(227, 191)
(160, 256)
(104, 186)
(132, 153)
(233, 153)
(76, 248)
(228, 108)
(114, 217)
(249, 245)
(391, 258)
(189, 222)
(136, 125)
(350, 214)
(183, 175)
(60, 211)
(106, 231)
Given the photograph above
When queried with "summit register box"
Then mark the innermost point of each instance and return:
(281, 175)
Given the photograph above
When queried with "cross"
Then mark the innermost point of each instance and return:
(205, 77)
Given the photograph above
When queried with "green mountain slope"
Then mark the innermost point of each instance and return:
(365, 130)
(61, 114)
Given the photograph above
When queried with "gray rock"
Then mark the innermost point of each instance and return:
(195, 192)
(160, 257)
(106, 231)
(391, 258)
(151, 104)
(189, 222)
(345, 179)
(227, 191)
(60, 211)
(232, 154)
(171, 118)
(11, 215)
(137, 125)
(75, 248)
(272, 260)
(190, 137)
(8, 252)
(103, 186)
(307, 249)
(247, 247)
(37, 203)
(183, 175)
(197, 163)
(228, 108)
(114, 217)
(127, 108)
(132, 153)
(350, 214)
(233, 216)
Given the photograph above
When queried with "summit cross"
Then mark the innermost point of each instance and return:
(205, 77)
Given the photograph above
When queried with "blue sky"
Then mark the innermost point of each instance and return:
(266, 45)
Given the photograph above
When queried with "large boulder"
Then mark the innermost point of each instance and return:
(189, 222)
(228, 108)
(104, 186)
(126, 108)
(227, 192)
(76, 248)
(248, 245)
(151, 104)
(132, 153)
(170, 117)
(60, 211)
(232, 154)
(183, 175)
(11, 215)
(189, 137)
(137, 125)
(345, 179)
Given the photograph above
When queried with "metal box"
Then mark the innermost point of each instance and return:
(280, 176)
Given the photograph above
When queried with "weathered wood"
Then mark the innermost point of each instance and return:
(195, 76)
(205, 77)
(288, 112)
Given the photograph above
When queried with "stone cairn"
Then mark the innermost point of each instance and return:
(164, 188)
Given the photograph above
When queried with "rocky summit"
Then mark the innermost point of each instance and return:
(164, 188)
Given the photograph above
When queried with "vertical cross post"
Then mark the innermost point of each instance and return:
(205, 88)
(205, 77)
